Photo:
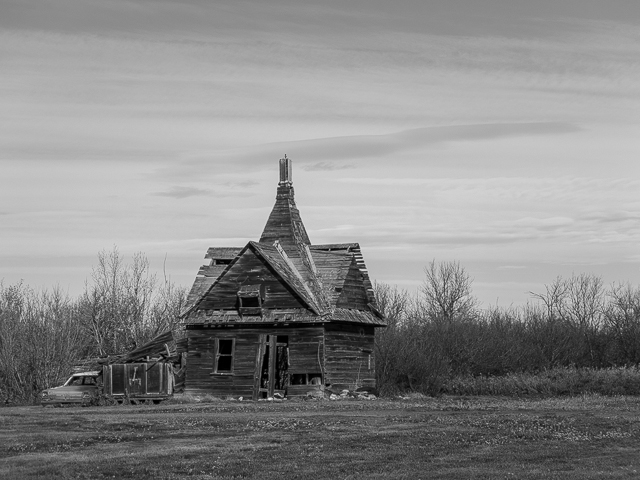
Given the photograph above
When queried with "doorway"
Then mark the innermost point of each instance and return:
(272, 366)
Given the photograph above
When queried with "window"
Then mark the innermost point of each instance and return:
(224, 350)
(306, 379)
(74, 381)
(250, 298)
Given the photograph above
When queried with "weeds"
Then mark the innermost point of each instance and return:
(554, 382)
(186, 398)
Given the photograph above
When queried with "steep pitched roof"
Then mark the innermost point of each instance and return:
(329, 280)
(219, 257)
(284, 223)
(354, 250)
(285, 266)
(275, 257)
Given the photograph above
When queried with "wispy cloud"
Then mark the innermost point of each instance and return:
(613, 217)
(184, 192)
(333, 153)
(469, 130)
(330, 150)
(243, 184)
(224, 189)
(327, 166)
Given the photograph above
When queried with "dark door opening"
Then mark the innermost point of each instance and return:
(273, 368)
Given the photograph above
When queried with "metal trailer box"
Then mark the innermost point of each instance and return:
(137, 382)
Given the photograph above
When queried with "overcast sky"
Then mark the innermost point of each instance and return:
(504, 134)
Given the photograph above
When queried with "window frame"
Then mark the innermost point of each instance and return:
(217, 355)
(253, 295)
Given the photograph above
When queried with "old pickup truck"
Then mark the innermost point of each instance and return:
(134, 383)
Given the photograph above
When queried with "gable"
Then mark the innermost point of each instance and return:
(219, 258)
(352, 249)
(249, 269)
(354, 293)
(332, 270)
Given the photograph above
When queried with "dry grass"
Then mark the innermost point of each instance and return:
(450, 437)
(552, 382)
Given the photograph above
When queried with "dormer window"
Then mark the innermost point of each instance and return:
(250, 298)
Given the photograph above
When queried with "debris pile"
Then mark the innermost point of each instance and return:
(345, 394)
(163, 348)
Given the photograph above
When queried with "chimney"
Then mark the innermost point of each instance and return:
(286, 174)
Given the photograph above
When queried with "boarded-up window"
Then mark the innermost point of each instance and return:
(223, 355)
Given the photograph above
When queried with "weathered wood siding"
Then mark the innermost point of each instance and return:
(200, 378)
(249, 270)
(305, 349)
(349, 361)
(354, 294)
(306, 354)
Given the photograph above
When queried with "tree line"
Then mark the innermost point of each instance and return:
(44, 333)
(441, 332)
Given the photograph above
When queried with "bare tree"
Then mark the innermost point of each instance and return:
(390, 343)
(122, 305)
(40, 338)
(554, 298)
(392, 302)
(550, 341)
(167, 305)
(622, 315)
(447, 291)
(578, 302)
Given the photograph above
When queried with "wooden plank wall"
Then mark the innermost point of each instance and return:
(354, 294)
(250, 270)
(306, 357)
(200, 378)
(349, 360)
(304, 344)
(305, 349)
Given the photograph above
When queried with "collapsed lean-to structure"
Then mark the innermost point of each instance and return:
(281, 315)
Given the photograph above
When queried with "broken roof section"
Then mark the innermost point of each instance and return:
(324, 280)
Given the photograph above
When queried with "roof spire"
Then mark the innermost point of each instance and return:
(284, 223)
(286, 174)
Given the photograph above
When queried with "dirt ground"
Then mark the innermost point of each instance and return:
(451, 437)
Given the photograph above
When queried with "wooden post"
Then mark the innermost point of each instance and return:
(257, 376)
(272, 364)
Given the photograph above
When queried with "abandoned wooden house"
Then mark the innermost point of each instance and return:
(281, 315)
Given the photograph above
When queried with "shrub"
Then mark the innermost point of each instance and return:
(556, 381)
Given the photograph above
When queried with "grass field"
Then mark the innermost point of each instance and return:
(450, 437)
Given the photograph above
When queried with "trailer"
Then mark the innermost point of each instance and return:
(137, 383)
